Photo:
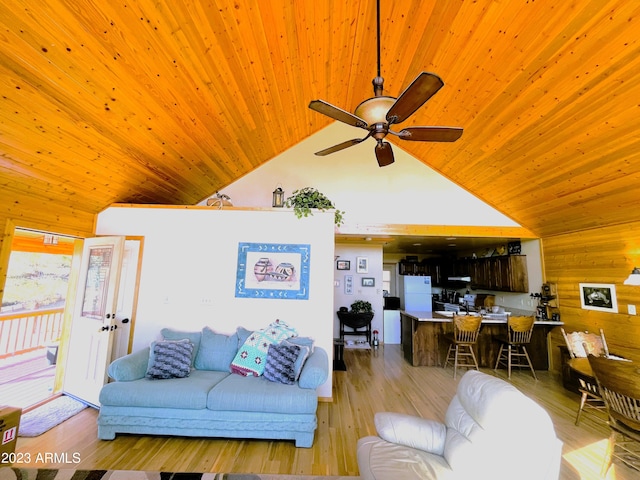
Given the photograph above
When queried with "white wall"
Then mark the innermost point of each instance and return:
(369, 294)
(189, 265)
(406, 192)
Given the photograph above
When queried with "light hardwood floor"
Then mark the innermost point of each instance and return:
(379, 380)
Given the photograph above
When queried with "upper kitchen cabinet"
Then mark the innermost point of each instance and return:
(427, 267)
(505, 273)
(500, 273)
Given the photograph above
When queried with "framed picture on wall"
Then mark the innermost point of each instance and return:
(599, 296)
(343, 265)
(348, 284)
(368, 281)
(273, 271)
(362, 264)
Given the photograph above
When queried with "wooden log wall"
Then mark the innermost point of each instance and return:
(603, 255)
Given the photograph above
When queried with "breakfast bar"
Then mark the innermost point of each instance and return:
(421, 332)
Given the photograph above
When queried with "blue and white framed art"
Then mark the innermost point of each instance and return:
(273, 270)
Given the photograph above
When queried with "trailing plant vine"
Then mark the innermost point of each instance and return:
(305, 199)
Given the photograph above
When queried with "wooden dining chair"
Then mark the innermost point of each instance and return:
(513, 350)
(619, 383)
(579, 345)
(461, 341)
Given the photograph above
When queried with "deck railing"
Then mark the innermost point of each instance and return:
(27, 331)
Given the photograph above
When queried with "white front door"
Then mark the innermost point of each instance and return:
(94, 318)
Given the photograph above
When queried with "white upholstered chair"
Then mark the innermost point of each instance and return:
(490, 430)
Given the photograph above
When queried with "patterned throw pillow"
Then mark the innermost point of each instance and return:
(170, 359)
(280, 365)
(306, 348)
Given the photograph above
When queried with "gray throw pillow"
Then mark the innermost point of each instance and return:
(170, 359)
(305, 351)
(193, 337)
(280, 364)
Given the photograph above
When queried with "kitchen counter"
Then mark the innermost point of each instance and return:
(421, 344)
(441, 316)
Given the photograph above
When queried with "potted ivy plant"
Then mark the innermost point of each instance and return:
(361, 306)
(360, 314)
(305, 199)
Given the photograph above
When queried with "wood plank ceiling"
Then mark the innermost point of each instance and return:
(166, 101)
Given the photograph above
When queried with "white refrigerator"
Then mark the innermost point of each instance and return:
(417, 294)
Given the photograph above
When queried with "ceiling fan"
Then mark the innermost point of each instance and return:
(378, 113)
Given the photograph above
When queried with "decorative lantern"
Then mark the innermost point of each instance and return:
(278, 198)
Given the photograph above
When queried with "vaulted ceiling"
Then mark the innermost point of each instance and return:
(167, 101)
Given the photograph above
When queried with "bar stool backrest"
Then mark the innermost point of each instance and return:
(466, 328)
(520, 329)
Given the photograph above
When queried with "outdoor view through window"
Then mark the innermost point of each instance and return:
(30, 325)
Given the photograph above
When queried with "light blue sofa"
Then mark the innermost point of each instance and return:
(212, 402)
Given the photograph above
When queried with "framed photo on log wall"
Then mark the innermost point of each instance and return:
(599, 296)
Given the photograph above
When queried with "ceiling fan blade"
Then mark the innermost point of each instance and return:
(421, 89)
(340, 146)
(384, 154)
(431, 134)
(336, 113)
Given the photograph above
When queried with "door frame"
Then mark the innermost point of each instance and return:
(70, 305)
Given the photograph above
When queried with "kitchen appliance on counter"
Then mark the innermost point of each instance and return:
(392, 303)
(417, 294)
(547, 308)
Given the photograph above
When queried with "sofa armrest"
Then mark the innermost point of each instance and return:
(410, 431)
(130, 367)
(315, 370)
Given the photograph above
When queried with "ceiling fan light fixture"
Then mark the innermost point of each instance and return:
(374, 110)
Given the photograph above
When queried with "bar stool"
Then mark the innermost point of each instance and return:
(461, 341)
(512, 346)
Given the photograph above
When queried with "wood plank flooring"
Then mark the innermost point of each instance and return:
(375, 381)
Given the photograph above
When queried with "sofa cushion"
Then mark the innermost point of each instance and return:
(170, 359)
(216, 351)
(185, 393)
(380, 459)
(194, 337)
(243, 334)
(256, 394)
(281, 360)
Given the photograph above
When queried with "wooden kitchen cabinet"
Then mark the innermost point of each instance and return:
(428, 267)
(503, 274)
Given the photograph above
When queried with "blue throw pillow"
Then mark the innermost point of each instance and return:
(170, 359)
(216, 351)
(280, 364)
